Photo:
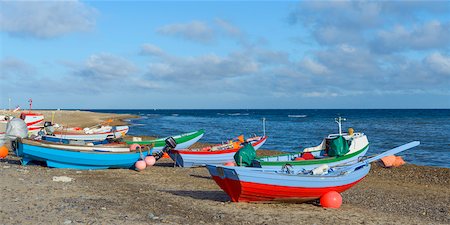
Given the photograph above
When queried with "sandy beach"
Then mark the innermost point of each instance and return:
(166, 195)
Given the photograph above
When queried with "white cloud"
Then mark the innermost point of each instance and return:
(150, 49)
(313, 66)
(228, 28)
(45, 19)
(107, 66)
(195, 31)
(430, 35)
(439, 63)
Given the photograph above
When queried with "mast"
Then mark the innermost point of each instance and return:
(339, 122)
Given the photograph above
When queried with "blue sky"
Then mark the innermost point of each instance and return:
(308, 54)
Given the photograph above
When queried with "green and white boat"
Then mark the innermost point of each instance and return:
(183, 140)
(335, 149)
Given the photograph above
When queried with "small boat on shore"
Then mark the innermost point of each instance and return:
(216, 154)
(244, 184)
(335, 149)
(58, 155)
(101, 133)
(183, 140)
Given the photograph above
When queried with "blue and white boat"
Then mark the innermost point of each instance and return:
(78, 157)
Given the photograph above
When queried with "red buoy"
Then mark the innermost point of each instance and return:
(3, 152)
(331, 199)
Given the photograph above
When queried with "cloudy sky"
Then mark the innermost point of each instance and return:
(327, 54)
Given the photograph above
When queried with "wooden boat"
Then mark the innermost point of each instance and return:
(216, 154)
(77, 157)
(183, 140)
(53, 139)
(312, 157)
(244, 184)
(112, 132)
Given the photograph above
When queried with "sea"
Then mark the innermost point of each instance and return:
(291, 130)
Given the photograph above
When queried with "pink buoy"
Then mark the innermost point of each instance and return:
(331, 199)
(134, 147)
(140, 165)
(230, 164)
(150, 160)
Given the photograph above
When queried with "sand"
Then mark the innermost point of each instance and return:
(166, 195)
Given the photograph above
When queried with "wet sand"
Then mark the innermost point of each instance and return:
(166, 195)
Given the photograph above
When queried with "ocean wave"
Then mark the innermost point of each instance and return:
(297, 116)
(138, 124)
(175, 114)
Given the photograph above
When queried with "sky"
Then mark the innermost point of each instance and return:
(225, 55)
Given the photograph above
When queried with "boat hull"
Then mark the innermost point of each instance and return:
(73, 159)
(262, 186)
(183, 141)
(119, 132)
(188, 158)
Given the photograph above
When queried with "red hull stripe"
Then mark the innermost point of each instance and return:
(35, 122)
(241, 191)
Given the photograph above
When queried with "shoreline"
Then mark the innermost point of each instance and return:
(166, 195)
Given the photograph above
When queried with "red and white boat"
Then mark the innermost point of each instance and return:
(34, 121)
(215, 155)
(247, 184)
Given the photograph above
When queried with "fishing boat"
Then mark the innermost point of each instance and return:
(34, 121)
(243, 184)
(101, 133)
(216, 154)
(183, 140)
(335, 149)
(58, 155)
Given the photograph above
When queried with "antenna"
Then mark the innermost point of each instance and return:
(31, 103)
(264, 126)
(339, 122)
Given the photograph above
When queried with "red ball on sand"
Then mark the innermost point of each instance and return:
(150, 160)
(3, 152)
(331, 199)
(230, 164)
(140, 165)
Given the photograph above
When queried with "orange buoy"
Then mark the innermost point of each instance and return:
(134, 147)
(3, 152)
(150, 160)
(230, 164)
(140, 165)
(388, 161)
(299, 159)
(331, 199)
(166, 156)
(398, 161)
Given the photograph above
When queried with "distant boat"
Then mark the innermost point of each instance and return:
(216, 154)
(254, 185)
(297, 116)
